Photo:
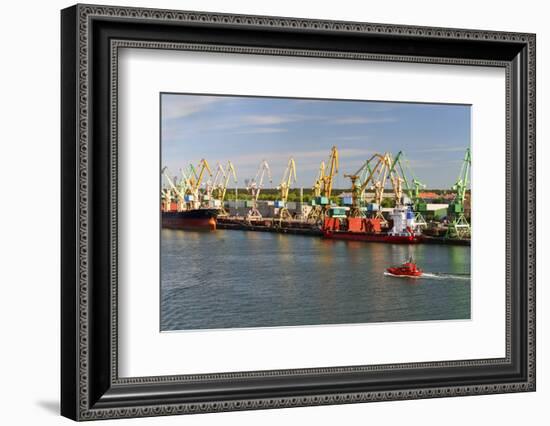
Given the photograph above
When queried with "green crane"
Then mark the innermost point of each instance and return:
(412, 185)
(458, 225)
(370, 171)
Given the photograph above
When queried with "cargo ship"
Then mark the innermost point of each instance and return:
(403, 230)
(202, 219)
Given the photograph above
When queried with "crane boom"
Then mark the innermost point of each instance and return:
(462, 182)
(319, 182)
(229, 171)
(358, 187)
(328, 179)
(459, 226)
(219, 175)
(289, 177)
(255, 186)
(180, 196)
(412, 185)
(203, 166)
(323, 187)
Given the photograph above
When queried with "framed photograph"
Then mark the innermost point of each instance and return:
(263, 212)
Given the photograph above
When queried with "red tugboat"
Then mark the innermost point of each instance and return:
(407, 269)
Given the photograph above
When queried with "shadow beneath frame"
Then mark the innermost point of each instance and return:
(50, 406)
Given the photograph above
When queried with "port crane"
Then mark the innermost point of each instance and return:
(166, 197)
(379, 180)
(322, 188)
(197, 178)
(168, 193)
(458, 225)
(213, 184)
(255, 186)
(318, 185)
(316, 211)
(328, 179)
(402, 169)
(361, 178)
(289, 177)
(185, 185)
(220, 185)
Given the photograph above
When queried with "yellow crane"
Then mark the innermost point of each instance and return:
(289, 177)
(322, 188)
(254, 187)
(319, 182)
(359, 185)
(328, 179)
(316, 212)
(196, 181)
(203, 166)
(220, 188)
(379, 181)
(185, 187)
(213, 184)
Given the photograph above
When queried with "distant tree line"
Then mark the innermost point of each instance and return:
(272, 194)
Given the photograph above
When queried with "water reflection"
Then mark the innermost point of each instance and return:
(254, 279)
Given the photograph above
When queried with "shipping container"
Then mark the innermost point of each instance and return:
(337, 211)
(373, 207)
(440, 214)
(322, 200)
(347, 201)
(434, 207)
(361, 224)
(279, 204)
(457, 208)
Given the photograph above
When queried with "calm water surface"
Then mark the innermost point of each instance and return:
(231, 279)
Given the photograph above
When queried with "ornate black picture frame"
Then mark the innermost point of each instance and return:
(91, 37)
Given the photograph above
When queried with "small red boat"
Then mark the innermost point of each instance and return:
(407, 269)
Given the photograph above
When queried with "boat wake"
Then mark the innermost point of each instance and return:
(433, 276)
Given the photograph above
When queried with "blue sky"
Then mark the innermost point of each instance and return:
(247, 130)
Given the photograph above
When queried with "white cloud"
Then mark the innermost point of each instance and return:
(441, 148)
(308, 157)
(177, 106)
(258, 130)
(351, 138)
(363, 120)
(261, 120)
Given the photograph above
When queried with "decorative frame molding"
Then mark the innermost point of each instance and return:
(91, 388)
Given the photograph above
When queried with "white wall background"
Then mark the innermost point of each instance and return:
(29, 211)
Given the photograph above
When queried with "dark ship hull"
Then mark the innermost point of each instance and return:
(195, 220)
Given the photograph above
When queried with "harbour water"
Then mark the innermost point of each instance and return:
(236, 279)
